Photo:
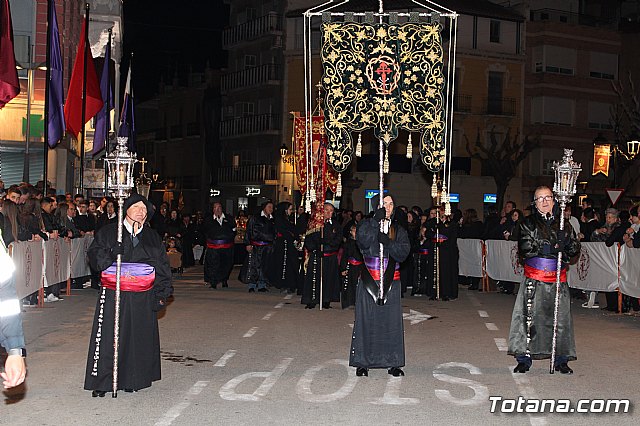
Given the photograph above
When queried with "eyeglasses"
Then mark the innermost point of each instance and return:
(545, 198)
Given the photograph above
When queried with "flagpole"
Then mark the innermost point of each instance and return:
(84, 95)
(47, 88)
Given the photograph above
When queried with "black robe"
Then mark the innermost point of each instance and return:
(351, 270)
(424, 268)
(444, 258)
(139, 342)
(284, 273)
(255, 268)
(218, 261)
(327, 261)
(378, 334)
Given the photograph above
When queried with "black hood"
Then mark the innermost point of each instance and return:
(134, 198)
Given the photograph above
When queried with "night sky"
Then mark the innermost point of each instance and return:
(169, 36)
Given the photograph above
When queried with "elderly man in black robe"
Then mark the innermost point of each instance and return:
(531, 331)
(261, 233)
(378, 334)
(218, 259)
(145, 285)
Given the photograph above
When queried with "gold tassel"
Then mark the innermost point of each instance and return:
(434, 187)
(409, 148)
(312, 195)
(447, 208)
(307, 205)
(385, 164)
(339, 186)
(359, 146)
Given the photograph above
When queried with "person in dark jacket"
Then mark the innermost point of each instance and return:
(218, 261)
(472, 228)
(350, 269)
(284, 273)
(258, 240)
(540, 242)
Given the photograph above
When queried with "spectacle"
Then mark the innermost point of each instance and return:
(544, 198)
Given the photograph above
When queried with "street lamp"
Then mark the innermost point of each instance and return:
(283, 151)
(143, 183)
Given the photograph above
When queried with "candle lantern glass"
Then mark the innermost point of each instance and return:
(566, 173)
(120, 164)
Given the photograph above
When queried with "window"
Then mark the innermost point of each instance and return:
(494, 99)
(603, 65)
(244, 109)
(558, 111)
(494, 32)
(250, 61)
(559, 60)
(599, 116)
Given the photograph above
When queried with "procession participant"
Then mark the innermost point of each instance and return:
(284, 273)
(424, 267)
(218, 260)
(259, 244)
(350, 269)
(322, 245)
(532, 327)
(447, 238)
(378, 335)
(145, 286)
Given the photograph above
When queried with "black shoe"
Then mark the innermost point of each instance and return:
(432, 298)
(224, 284)
(213, 286)
(97, 393)
(360, 371)
(473, 287)
(252, 290)
(310, 306)
(326, 305)
(445, 299)
(263, 290)
(395, 372)
(521, 368)
(564, 368)
(130, 390)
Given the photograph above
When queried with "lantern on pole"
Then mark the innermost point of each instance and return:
(120, 164)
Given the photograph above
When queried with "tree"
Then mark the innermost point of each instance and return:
(625, 117)
(502, 158)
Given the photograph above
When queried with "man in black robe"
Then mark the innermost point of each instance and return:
(218, 261)
(322, 246)
(284, 273)
(531, 331)
(378, 334)
(145, 286)
(259, 243)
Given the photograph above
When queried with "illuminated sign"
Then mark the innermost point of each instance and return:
(490, 198)
(252, 191)
(370, 193)
(214, 192)
(454, 198)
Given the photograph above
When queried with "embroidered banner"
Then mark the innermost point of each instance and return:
(79, 260)
(596, 268)
(28, 259)
(56, 261)
(503, 263)
(630, 271)
(318, 135)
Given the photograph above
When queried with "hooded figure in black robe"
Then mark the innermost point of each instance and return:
(322, 247)
(378, 334)
(145, 286)
(351, 266)
(284, 273)
(531, 331)
(258, 240)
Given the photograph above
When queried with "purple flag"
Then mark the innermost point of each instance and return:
(55, 105)
(103, 122)
(127, 122)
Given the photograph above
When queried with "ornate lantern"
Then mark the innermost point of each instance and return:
(566, 177)
(120, 165)
(143, 183)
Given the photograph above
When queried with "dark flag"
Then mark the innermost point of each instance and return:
(103, 122)
(73, 106)
(56, 124)
(9, 84)
(127, 122)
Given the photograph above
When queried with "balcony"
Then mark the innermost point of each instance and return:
(462, 103)
(193, 129)
(500, 106)
(253, 174)
(251, 77)
(269, 23)
(175, 131)
(553, 15)
(250, 124)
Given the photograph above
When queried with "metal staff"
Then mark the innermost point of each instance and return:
(120, 181)
(564, 188)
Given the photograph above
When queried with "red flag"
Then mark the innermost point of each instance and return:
(9, 84)
(73, 106)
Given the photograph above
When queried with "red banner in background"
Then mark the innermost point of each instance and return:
(329, 176)
(601, 154)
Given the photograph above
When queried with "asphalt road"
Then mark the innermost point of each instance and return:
(238, 358)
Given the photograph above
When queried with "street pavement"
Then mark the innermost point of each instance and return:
(230, 357)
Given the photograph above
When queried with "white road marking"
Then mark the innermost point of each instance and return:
(491, 326)
(392, 394)
(501, 343)
(288, 297)
(175, 411)
(303, 388)
(251, 332)
(279, 305)
(268, 316)
(481, 392)
(416, 317)
(228, 390)
(483, 314)
(224, 358)
(527, 392)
